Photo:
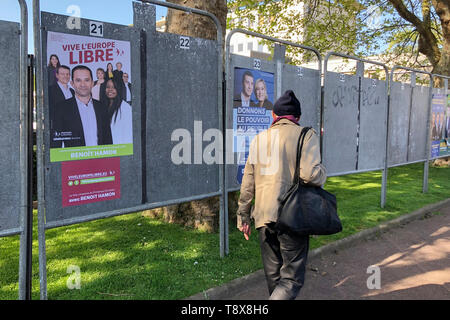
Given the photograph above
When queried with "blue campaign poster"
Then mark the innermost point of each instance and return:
(439, 104)
(252, 110)
(444, 149)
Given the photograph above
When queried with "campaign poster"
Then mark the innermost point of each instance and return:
(447, 126)
(89, 181)
(89, 94)
(438, 109)
(252, 110)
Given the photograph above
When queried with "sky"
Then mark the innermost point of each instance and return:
(116, 11)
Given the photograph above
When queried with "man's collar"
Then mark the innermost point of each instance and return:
(243, 96)
(63, 85)
(283, 122)
(79, 101)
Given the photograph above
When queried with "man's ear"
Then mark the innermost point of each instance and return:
(274, 116)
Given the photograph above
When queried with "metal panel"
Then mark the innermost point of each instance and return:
(306, 85)
(399, 112)
(418, 128)
(340, 123)
(10, 188)
(182, 94)
(373, 126)
(130, 166)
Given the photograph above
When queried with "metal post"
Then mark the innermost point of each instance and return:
(426, 165)
(40, 148)
(279, 56)
(24, 272)
(30, 106)
(384, 176)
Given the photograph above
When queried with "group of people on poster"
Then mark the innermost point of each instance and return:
(440, 129)
(84, 112)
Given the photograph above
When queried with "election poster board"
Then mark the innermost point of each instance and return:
(252, 110)
(438, 110)
(90, 114)
(104, 127)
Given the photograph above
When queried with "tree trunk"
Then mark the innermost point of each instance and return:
(443, 10)
(201, 214)
(194, 25)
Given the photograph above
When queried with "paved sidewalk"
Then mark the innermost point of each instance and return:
(413, 259)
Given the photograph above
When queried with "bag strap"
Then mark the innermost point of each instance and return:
(301, 140)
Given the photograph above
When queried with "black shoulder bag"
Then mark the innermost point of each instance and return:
(307, 210)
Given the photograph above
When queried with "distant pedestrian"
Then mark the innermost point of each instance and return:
(268, 174)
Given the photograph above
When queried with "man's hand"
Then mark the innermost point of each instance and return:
(246, 230)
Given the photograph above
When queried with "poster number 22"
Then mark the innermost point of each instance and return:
(185, 43)
(96, 29)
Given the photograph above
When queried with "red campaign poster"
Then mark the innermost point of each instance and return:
(89, 181)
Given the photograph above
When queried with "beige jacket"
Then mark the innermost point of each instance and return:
(270, 168)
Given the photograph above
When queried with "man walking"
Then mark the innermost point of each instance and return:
(268, 174)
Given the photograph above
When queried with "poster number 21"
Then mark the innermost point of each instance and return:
(96, 29)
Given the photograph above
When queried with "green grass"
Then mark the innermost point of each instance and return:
(134, 257)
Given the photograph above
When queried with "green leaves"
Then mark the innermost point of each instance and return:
(361, 28)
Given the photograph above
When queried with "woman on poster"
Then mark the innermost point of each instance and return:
(120, 115)
(261, 95)
(98, 91)
(52, 67)
(109, 71)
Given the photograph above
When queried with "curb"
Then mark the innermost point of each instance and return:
(235, 286)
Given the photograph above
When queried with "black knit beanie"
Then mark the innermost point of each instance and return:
(287, 104)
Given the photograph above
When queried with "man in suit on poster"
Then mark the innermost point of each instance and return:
(127, 91)
(441, 128)
(434, 129)
(60, 91)
(81, 121)
(244, 98)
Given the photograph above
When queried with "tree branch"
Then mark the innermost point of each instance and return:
(428, 43)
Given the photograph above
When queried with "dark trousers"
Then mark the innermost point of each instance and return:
(284, 257)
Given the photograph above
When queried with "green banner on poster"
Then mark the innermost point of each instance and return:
(95, 152)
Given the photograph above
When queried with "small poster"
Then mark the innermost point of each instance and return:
(438, 109)
(444, 149)
(252, 110)
(89, 181)
(90, 97)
